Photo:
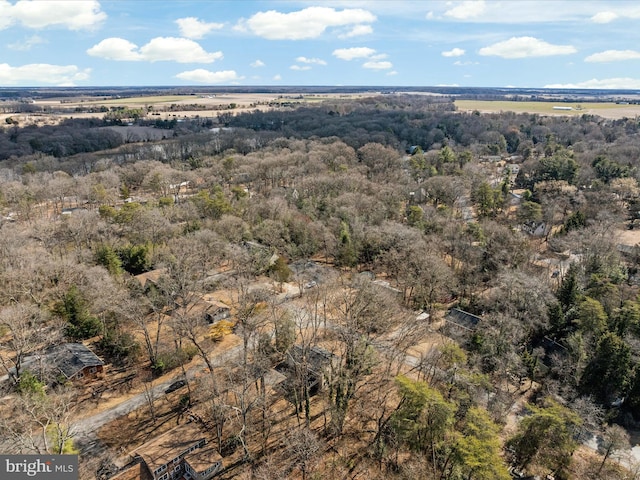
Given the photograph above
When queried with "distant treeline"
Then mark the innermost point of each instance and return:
(462, 92)
(67, 139)
(397, 121)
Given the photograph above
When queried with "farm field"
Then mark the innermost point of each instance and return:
(603, 109)
(166, 106)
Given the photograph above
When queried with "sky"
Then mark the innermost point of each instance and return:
(467, 43)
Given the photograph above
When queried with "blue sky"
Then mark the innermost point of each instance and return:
(482, 43)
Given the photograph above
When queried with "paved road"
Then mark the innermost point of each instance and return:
(86, 428)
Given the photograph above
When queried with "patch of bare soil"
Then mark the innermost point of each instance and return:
(587, 465)
(628, 237)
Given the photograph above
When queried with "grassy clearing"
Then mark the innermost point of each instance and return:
(578, 108)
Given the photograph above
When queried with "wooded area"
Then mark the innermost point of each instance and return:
(340, 236)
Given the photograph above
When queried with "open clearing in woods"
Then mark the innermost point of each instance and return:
(603, 109)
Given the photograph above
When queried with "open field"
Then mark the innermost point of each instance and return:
(603, 109)
(161, 100)
(213, 100)
(166, 106)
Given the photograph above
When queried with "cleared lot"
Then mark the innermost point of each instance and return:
(603, 109)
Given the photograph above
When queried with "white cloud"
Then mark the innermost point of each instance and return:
(5, 14)
(27, 43)
(200, 75)
(605, 83)
(315, 61)
(304, 24)
(277, 78)
(525, 11)
(524, 47)
(374, 60)
(191, 27)
(74, 15)
(39, 73)
(613, 56)
(378, 65)
(300, 67)
(258, 64)
(467, 9)
(392, 73)
(352, 53)
(357, 31)
(456, 52)
(115, 49)
(604, 17)
(459, 63)
(181, 50)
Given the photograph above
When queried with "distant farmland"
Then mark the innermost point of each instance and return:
(607, 110)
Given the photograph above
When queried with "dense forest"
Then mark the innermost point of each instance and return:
(377, 209)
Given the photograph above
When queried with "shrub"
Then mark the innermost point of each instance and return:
(220, 329)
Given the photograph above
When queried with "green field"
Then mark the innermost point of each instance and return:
(578, 108)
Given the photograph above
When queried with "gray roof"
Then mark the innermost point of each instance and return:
(72, 358)
(463, 319)
(317, 357)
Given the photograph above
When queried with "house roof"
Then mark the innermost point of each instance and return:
(170, 445)
(152, 276)
(202, 458)
(317, 357)
(463, 319)
(137, 471)
(213, 305)
(207, 304)
(71, 358)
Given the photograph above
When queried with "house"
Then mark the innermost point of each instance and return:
(151, 277)
(216, 311)
(460, 322)
(536, 229)
(552, 349)
(181, 453)
(209, 309)
(136, 470)
(315, 360)
(75, 361)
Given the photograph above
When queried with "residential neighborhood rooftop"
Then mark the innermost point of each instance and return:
(463, 319)
(170, 445)
(72, 358)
